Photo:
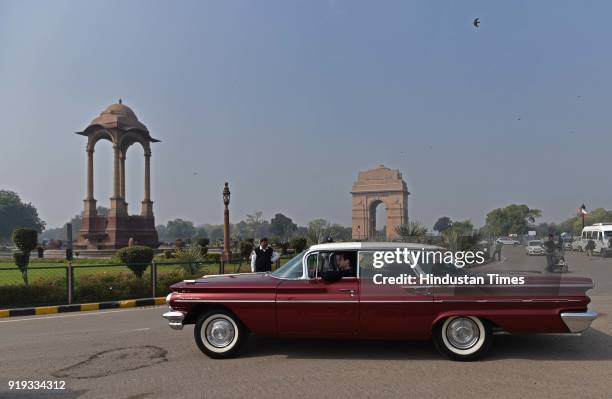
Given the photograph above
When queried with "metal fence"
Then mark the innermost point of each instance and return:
(57, 283)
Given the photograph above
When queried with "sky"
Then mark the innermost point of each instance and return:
(289, 100)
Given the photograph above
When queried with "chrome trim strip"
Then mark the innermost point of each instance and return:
(406, 301)
(506, 300)
(226, 300)
(314, 301)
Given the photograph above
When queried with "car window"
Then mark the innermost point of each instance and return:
(292, 269)
(343, 261)
(367, 269)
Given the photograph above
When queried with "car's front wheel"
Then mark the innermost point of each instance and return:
(463, 338)
(219, 334)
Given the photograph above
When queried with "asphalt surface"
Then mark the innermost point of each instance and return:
(132, 353)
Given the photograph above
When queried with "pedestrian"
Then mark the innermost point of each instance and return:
(262, 257)
(549, 246)
(497, 250)
(590, 246)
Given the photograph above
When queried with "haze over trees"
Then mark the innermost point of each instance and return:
(513, 219)
(14, 213)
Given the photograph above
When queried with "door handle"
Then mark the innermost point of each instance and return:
(418, 290)
(348, 291)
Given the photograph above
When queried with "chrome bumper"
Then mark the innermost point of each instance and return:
(175, 319)
(578, 321)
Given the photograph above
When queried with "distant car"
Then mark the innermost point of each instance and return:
(507, 241)
(535, 247)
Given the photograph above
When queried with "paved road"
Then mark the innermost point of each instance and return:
(133, 354)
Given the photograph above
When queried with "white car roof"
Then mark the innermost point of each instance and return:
(346, 246)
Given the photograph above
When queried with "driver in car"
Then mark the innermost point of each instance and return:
(343, 261)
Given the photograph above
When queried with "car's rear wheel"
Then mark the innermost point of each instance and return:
(463, 338)
(219, 334)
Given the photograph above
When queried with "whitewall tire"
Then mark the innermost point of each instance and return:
(463, 337)
(219, 334)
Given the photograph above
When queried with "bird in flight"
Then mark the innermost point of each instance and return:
(476, 22)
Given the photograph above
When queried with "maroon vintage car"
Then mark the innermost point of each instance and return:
(336, 291)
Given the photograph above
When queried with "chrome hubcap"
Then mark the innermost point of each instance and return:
(462, 333)
(220, 333)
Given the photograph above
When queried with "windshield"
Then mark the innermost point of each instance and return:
(291, 269)
(534, 243)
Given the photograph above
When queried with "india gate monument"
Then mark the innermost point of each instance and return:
(373, 187)
(119, 125)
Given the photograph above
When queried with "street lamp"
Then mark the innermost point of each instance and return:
(226, 240)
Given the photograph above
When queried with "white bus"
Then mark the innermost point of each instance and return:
(600, 233)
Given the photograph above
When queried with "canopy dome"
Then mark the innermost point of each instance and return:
(119, 116)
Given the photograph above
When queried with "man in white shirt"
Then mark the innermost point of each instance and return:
(263, 256)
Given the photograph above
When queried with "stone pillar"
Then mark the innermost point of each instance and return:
(118, 206)
(89, 209)
(147, 204)
(117, 172)
(90, 174)
(122, 177)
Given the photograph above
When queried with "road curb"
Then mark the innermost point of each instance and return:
(82, 307)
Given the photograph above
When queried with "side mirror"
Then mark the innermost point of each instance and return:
(331, 276)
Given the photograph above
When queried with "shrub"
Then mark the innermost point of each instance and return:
(26, 240)
(191, 259)
(246, 247)
(137, 258)
(21, 260)
(298, 244)
(168, 254)
(202, 242)
(214, 257)
(44, 291)
(178, 243)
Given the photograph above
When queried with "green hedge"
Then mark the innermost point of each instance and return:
(99, 287)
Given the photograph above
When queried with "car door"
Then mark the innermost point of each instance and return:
(314, 307)
(391, 311)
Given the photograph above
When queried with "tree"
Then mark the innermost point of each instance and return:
(340, 233)
(14, 214)
(412, 231)
(180, 228)
(318, 230)
(442, 224)
(254, 223)
(574, 224)
(282, 226)
(463, 228)
(26, 240)
(513, 219)
(216, 234)
(137, 258)
(298, 244)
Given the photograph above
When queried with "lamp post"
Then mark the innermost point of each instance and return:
(583, 212)
(226, 239)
